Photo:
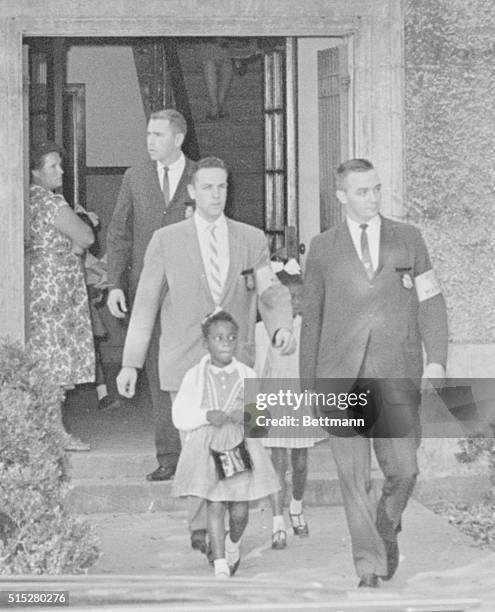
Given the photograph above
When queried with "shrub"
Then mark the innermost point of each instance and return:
(37, 534)
(478, 447)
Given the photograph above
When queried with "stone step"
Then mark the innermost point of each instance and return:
(134, 494)
(115, 482)
(107, 464)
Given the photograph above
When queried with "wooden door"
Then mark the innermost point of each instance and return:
(281, 207)
(333, 113)
(74, 139)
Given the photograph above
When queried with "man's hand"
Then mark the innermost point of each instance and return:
(93, 217)
(216, 417)
(433, 377)
(77, 249)
(285, 341)
(126, 381)
(116, 303)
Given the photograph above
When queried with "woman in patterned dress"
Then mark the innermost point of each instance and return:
(60, 334)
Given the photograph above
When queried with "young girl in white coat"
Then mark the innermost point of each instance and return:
(216, 462)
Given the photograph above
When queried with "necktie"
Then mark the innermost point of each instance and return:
(216, 285)
(365, 251)
(166, 187)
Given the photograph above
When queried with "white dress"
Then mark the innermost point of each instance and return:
(276, 372)
(196, 473)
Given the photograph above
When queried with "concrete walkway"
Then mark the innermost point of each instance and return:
(438, 563)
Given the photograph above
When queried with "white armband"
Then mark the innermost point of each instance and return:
(427, 285)
(265, 278)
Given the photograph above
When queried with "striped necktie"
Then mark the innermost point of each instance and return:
(166, 187)
(216, 285)
(365, 252)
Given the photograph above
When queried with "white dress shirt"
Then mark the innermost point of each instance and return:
(175, 171)
(373, 232)
(222, 236)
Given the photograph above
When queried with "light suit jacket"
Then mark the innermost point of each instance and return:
(174, 282)
(345, 314)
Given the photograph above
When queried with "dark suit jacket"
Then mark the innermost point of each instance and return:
(140, 211)
(174, 283)
(345, 314)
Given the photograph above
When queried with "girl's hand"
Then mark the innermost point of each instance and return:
(216, 417)
(237, 416)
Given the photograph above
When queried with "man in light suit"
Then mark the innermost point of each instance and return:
(152, 195)
(180, 280)
(370, 302)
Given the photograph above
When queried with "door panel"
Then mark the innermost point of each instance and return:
(74, 138)
(323, 129)
(333, 84)
(280, 150)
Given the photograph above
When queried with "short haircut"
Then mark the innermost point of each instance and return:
(173, 116)
(216, 317)
(207, 162)
(289, 279)
(38, 152)
(351, 165)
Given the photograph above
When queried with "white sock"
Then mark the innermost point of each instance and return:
(295, 506)
(101, 391)
(231, 550)
(278, 523)
(221, 568)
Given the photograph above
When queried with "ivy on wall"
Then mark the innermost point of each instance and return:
(450, 152)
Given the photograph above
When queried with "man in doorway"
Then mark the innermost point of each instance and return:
(192, 268)
(153, 194)
(371, 300)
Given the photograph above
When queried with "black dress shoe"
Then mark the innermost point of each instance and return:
(161, 473)
(392, 550)
(233, 568)
(109, 403)
(369, 581)
(388, 534)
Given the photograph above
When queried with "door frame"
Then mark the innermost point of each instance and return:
(378, 105)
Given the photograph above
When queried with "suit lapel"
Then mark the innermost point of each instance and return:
(350, 253)
(234, 258)
(152, 187)
(182, 185)
(386, 243)
(194, 253)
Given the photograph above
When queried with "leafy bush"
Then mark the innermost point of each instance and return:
(476, 448)
(37, 535)
(477, 519)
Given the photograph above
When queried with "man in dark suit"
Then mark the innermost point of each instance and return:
(152, 195)
(371, 302)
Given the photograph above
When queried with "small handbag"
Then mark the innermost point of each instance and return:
(231, 462)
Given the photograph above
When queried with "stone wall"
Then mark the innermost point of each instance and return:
(450, 140)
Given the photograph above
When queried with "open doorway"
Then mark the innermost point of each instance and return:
(94, 97)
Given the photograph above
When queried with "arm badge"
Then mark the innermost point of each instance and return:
(427, 285)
